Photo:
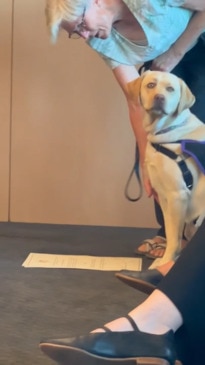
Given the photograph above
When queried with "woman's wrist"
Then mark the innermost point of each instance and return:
(178, 52)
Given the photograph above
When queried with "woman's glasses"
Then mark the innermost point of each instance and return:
(80, 28)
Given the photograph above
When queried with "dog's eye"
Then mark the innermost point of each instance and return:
(151, 85)
(170, 88)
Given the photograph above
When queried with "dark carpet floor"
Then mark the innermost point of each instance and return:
(39, 303)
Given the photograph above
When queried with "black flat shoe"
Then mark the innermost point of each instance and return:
(113, 348)
(144, 281)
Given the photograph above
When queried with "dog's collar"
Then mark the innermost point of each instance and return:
(180, 120)
(170, 128)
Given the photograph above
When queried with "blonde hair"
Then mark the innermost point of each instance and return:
(58, 10)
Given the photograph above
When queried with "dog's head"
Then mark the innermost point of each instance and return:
(161, 93)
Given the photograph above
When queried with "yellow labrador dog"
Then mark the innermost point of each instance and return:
(178, 177)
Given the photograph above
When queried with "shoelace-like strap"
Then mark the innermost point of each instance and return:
(131, 321)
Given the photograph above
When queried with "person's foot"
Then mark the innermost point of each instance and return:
(158, 251)
(146, 280)
(152, 247)
(113, 348)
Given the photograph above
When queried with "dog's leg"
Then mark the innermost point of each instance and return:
(192, 227)
(174, 207)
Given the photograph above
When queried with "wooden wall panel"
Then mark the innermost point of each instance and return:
(5, 104)
(72, 144)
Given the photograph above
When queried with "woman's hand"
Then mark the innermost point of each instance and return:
(146, 181)
(147, 184)
(167, 61)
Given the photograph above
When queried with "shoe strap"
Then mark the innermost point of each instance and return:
(132, 322)
(106, 328)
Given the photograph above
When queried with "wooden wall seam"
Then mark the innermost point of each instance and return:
(11, 109)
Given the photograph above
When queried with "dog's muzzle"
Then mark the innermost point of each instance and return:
(159, 101)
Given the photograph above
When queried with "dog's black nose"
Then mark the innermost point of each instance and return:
(159, 102)
(159, 97)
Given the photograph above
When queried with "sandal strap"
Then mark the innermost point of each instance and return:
(132, 322)
(154, 240)
(106, 328)
(158, 245)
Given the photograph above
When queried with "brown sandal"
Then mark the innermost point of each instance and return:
(157, 251)
(151, 244)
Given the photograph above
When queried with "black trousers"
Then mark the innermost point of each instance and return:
(192, 70)
(185, 286)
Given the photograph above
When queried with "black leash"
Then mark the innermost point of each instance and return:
(135, 171)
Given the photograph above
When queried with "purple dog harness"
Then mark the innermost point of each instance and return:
(195, 149)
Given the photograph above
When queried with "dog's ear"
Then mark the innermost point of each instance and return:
(187, 98)
(133, 89)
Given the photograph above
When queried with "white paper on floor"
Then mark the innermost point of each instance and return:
(82, 262)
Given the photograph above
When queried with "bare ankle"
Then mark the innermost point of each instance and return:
(164, 269)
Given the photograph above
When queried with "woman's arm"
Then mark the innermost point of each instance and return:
(197, 5)
(195, 28)
(168, 60)
(123, 75)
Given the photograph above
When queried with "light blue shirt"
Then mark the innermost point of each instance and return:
(162, 25)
